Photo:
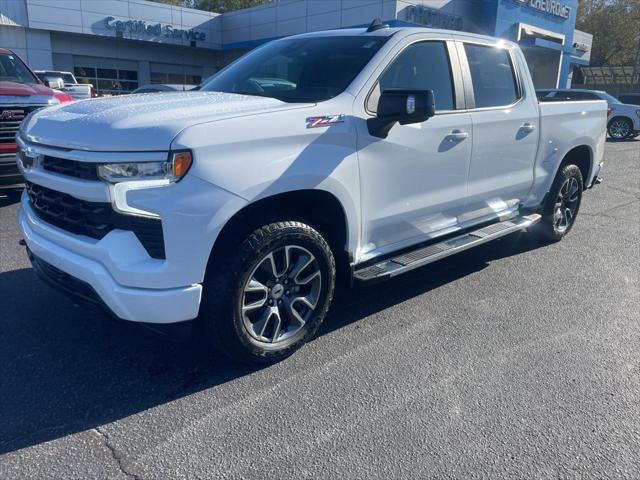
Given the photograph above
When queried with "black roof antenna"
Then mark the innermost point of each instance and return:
(376, 25)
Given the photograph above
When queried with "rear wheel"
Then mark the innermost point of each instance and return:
(562, 203)
(271, 294)
(620, 128)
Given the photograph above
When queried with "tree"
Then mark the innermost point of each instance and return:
(223, 6)
(615, 25)
(217, 6)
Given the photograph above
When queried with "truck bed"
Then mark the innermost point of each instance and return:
(582, 122)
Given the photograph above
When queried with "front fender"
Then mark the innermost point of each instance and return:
(265, 155)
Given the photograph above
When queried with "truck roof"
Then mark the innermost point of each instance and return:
(388, 32)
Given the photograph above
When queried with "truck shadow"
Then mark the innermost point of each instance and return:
(9, 195)
(64, 369)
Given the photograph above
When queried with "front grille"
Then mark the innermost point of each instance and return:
(9, 173)
(8, 131)
(70, 168)
(93, 219)
(63, 281)
(11, 117)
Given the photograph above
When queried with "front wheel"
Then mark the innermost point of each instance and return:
(562, 204)
(271, 294)
(620, 128)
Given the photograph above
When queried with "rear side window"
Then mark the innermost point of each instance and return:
(631, 99)
(421, 66)
(492, 74)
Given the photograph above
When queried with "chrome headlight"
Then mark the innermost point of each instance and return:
(171, 170)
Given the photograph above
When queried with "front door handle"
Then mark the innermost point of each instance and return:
(457, 136)
(527, 128)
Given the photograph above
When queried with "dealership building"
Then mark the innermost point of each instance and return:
(118, 45)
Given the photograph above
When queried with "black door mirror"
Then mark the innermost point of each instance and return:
(402, 106)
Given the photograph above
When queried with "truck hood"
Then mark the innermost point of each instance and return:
(23, 89)
(141, 122)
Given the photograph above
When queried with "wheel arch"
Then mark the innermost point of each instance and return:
(619, 116)
(319, 208)
(582, 157)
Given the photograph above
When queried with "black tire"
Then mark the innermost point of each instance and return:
(620, 128)
(551, 227)
(223, 319)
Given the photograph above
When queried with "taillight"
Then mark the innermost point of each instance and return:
(609, 111)
(94, 94)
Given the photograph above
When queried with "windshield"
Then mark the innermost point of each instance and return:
(609, 98)
(13, 70)
(298, 69)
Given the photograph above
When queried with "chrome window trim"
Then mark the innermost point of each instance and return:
(466, 73)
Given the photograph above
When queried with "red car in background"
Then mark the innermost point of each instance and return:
(21, 92)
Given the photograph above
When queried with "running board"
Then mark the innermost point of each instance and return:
(417, 258)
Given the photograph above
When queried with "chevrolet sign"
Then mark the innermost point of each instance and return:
(553, 7)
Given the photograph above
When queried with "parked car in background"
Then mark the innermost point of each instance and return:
(241, 201)
(630, 98)
(163, 87)
(71, 86)
(624, 119)
(21, 92)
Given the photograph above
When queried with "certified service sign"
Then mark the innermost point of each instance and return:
(552, 7)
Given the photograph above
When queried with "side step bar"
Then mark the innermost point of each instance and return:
(424, 255)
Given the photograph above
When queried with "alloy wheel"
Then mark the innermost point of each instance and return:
(281, 294)
(619, 129)
(566, 205)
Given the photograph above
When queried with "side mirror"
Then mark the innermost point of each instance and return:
(401, 106)
(54, 82)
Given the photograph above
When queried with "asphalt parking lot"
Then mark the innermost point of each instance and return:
(517, 359)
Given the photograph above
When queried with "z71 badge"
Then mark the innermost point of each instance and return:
(324, 121)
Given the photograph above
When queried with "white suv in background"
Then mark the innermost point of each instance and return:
(624, 119)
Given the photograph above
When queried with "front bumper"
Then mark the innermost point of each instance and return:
(85, 276)
(117, 268)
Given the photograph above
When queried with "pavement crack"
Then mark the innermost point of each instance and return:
(115, 454)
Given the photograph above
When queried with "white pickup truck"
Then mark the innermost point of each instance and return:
(367, 152)
(78, 91)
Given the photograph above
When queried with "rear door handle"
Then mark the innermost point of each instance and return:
(457, 136)
(528, 128)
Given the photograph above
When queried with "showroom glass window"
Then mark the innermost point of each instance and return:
(421, 66)
(175, 78)
(108, 81)
(492, 75)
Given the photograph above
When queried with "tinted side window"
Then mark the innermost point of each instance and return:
(494, 81)
(421, 66)
(631, 99)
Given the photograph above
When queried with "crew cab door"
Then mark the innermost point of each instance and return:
(414, 182)
(505, 118)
